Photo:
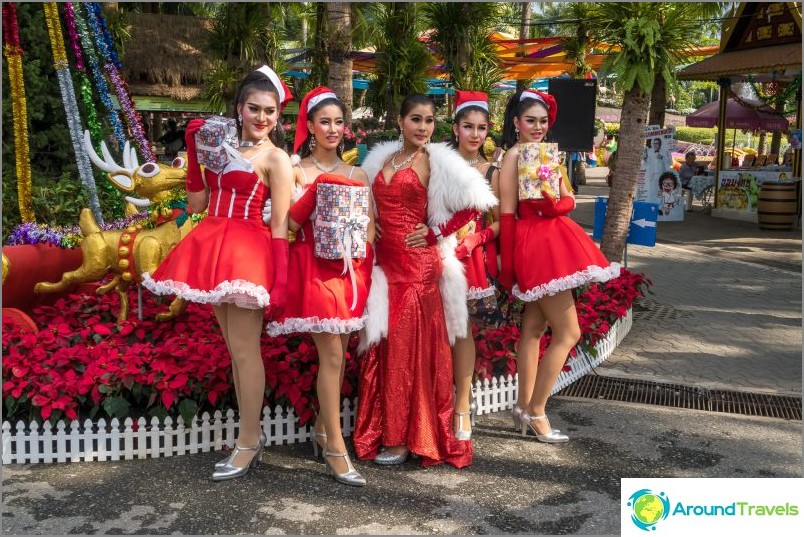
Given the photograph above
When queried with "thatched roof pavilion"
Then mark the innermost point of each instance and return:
(166, 57)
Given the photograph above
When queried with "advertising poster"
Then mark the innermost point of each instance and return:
(658, 182)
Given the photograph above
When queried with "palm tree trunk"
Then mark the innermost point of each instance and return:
(629, 160)
(658, 100)
(339, 19)
(524, 33)
(761, 143)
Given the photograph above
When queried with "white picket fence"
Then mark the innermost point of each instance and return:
(102, 440)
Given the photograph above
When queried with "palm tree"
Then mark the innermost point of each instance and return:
(699, 11)
(651, 37)
(339, 48)
(402, 60)
(461, 33)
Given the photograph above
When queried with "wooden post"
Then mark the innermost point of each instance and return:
(725, 90)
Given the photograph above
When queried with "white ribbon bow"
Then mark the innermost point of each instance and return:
(348, 230)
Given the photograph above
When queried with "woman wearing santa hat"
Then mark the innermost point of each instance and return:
(544, 256)
(207, 265)
(328, 295)
(417, 303)
(476, 246)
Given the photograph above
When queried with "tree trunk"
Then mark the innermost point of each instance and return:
(761, 143)
(658, 100)
(524, 33)
(629, 160)
(339, 23)
(776, 138)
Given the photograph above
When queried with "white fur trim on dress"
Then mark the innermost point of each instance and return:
(315, 325)
(242, 293)
(453, 286)
(592, 273)
(476, 293)
(376, 312)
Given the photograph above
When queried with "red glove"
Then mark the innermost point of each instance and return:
(563, 206)
(507, 239)
(472, 241)
(279, 249)
(194, 182)
(458, 220)
(491, 259)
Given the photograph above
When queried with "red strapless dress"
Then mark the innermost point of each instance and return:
(320, 295)
(554, 254)
(405, 383)
(227, 257)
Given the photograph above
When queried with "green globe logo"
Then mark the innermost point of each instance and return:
(648, 508)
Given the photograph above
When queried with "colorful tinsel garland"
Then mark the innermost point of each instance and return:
(19, 111)
(65, 237)
(97, 23)
(71, 106)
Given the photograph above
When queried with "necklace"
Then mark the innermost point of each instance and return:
(249, 143)
(474, 161)
(325, 169)
(396, 167)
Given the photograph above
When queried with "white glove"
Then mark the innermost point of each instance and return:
(266, 211)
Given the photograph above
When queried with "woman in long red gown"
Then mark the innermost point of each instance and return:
(417, 303)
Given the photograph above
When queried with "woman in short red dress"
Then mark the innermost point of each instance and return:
(544, 256)
(232, 260)
(417, 303)
(327, 302)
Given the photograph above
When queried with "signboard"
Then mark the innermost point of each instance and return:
(657, 181)
(642, 231)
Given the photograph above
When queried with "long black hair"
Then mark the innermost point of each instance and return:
(515, 108)
(453, 140)
(304, 150)
(257, 81)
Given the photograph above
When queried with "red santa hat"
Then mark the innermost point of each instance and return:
(313, 97)
(547, 100)
(471, 98)
(282, 89)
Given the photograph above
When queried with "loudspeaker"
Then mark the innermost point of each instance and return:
(574, 129)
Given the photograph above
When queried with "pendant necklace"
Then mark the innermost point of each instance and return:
(249, 143)
(325, 169)
(396, 167)
(474, 161)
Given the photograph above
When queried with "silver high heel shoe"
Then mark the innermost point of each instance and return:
(460, 434)
(516, 414)
(472, 408)
(230, 471)
(221, 463)
(350, 477)
(386, 458)
(319, 449)
(553, 437)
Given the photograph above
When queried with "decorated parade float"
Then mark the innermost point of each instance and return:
(97, 368)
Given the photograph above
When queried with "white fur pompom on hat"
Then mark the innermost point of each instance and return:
(295, 159)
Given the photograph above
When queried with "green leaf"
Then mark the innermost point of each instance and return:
(188, 408)
(116, 407)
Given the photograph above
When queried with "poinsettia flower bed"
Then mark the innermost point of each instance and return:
(82, 365)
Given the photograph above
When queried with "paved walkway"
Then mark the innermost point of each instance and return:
(726, 312)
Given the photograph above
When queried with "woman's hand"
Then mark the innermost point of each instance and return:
(418, 237)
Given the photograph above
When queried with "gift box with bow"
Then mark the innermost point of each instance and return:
(215, 141)
(539, 171)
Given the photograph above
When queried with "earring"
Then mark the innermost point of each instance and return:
(312, 144)
(401, 138)
(516, 130)
(240, 118)
(341, 146)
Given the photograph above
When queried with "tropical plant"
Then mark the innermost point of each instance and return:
(650, 36)
(402, 60)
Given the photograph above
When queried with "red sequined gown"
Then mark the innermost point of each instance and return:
(405, 385)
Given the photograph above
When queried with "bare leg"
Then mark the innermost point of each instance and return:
(560, 312)
(244, 327)
(527, 362)
(220, 314)
(330, 360)
(463, 366)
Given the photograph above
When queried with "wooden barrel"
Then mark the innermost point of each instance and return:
(777, 206)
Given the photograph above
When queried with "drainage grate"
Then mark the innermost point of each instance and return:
(595, 386)
(650, 310)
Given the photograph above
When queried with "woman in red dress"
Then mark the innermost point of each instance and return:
(544, 256)
(417, 303)
(328, 302)
(476, 247)
(208, 265)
